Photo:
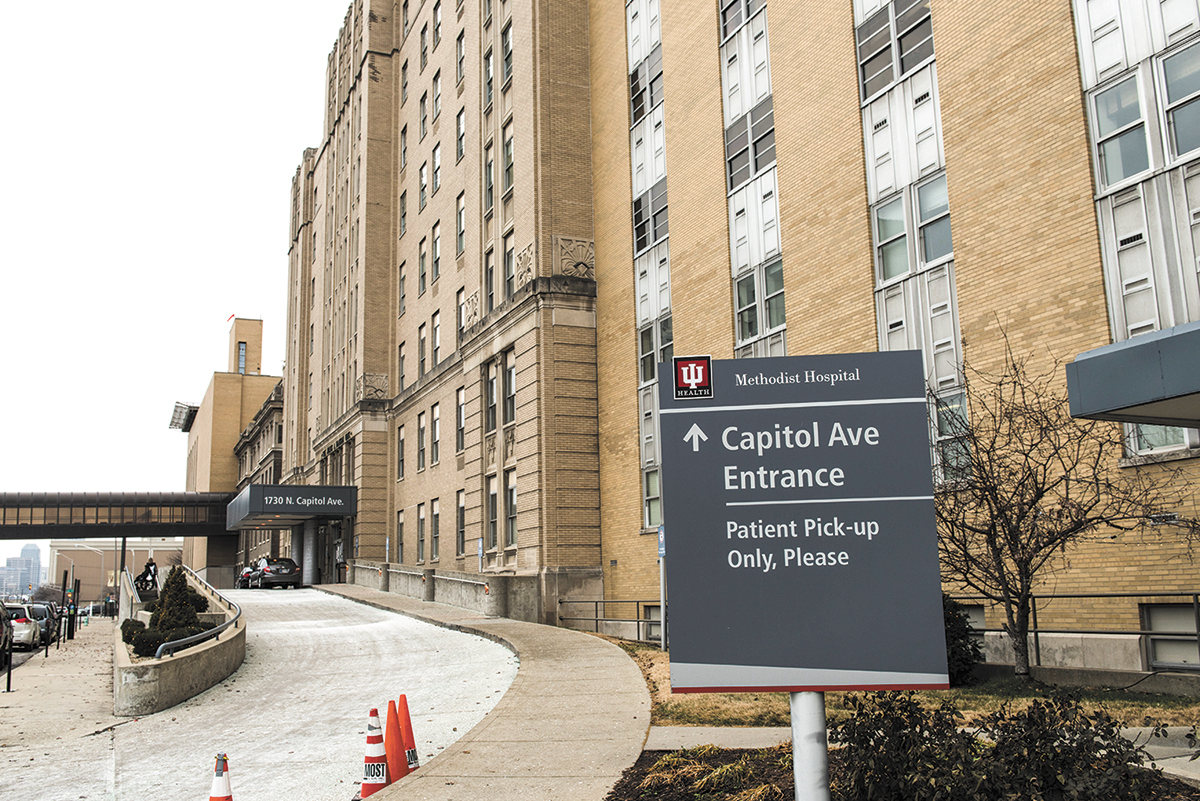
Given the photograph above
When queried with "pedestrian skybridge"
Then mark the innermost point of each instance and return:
(81, 515)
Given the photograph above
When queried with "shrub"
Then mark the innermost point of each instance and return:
(130, 628)
(962, 649)
(195, 599)
(147, 641)
(174, 610)
(894, 748)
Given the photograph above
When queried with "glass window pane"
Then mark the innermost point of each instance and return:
(775, 313)
(1124, 155)
(932, 199)
(747, 324)
(1117, 107)
(745, 292)
(1182, 72)
(890, 220)
(935, 239)
(893, 258)
(652, 483)
(1151, 438)
(1186, 122)
(653, 512)
(774, 278)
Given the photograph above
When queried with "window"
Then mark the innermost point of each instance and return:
(402, 281)
(403, 83)
(422, 255)
(506, 53)
(488, 177)
(510, 387)
(487, 79)
(951, 457)
(421, 350)
(489, 278)
(652, 498)
(437, 94)
(1121, 132)
(646, 85)
(437, 167)
(750, 144)
(421, 441)
(891, 239)
(933, 220)
(655, 345)
(400, 537)
(1146, 440)
(460, 299)
(437, 23)
(460, 135)
(892, 43)
(510, 266)
(734, 13)
(424, 45)
(404, 15)
(437, 250)
(460, 224)
(436, 332)
(404, 147)
(403, 213)
(650, 217)
(435, 434)
(493, 370)
(424, 111)
(508, 156)
(241, 367)
(759, 302)
(422, 181)
(460, 56)
(401, 359)
(400, 453)
(492, 512)
(420, 532)
(460, 420)
(435, 514)
(1181, 76)
(510, 507)
(1171, 651)
(460, 525)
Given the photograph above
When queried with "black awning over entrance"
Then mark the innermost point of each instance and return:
(275, 506)
(1150, 379)
(74, 515)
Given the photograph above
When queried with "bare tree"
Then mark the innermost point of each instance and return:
(1022, 481)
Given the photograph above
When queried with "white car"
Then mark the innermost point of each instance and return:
(26, 629)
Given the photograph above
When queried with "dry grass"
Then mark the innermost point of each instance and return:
(772, 709)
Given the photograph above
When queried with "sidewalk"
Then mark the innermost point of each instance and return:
(573, 720)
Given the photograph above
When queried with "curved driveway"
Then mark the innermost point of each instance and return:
(293, 719)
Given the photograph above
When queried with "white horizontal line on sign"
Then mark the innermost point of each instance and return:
(866, 402)
(831, 500)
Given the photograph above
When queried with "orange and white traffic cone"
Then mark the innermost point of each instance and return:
(410, 739)
(375, 772)
(220, 786)
(393, 745)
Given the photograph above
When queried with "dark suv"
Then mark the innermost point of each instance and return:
(273, 571)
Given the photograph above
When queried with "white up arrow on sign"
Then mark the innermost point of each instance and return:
(695, 436)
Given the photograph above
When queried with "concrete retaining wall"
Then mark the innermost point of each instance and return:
(152, 685)
(532, 599)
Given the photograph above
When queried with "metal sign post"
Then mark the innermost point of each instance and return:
(803, 543)
(662, 588)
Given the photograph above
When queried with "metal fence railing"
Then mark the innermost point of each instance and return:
(169, 648)
(645, 628)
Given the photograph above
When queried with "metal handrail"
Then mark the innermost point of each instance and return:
(135, 597)
(643, 624)
(174, 645)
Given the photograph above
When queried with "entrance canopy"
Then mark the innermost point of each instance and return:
(1150, 379)
(273, 506)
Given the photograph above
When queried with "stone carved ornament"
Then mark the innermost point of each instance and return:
(576, 257)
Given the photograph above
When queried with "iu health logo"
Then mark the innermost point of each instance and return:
(693, 377)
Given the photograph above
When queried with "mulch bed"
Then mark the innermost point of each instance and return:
(767, 770)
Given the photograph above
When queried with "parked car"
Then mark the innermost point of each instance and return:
(243, 579)
(26, 630)
(47, 625)
(6, 636)
(274, 571)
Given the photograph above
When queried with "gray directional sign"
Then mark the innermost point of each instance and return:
(798, 509)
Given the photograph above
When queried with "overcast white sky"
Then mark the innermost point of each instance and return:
(149, 149)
